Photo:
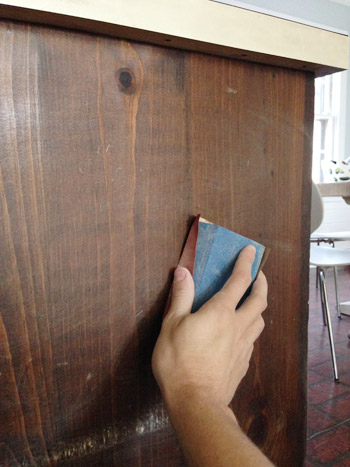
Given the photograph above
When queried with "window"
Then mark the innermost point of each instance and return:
(326, 143)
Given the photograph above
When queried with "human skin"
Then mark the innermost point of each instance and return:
(200, 359)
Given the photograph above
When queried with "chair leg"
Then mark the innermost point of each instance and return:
(336, 291)
(317, 273)
(322, 300)
(329, 325)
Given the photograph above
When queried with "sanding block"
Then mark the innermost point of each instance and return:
(210, 253)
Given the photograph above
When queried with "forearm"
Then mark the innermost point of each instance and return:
(210, 435)
(200, 359)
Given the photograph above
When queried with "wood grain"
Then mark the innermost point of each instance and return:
(108, 149)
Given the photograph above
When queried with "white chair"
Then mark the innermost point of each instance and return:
(324, 237)
(317, 217)
(324, 258)
(330, 237)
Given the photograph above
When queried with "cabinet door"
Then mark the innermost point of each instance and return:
(108, 150)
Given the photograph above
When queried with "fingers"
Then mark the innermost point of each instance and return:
(182, 293)
(250, 314)
(256, 303)
(239, 281)
(254, 330)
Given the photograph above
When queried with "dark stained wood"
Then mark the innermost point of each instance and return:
(108, 149)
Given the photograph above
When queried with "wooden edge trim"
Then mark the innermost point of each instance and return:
(140, 35)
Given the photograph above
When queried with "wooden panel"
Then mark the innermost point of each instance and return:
(199, 25)
(108, 149)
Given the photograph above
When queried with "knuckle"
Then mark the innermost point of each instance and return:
(261, 324)
(179, 290)
(261, 301)
(258, 328)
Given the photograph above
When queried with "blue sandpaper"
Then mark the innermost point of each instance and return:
(216, 253)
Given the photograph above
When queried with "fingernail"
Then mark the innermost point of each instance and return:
(251, 249)
(179, 274)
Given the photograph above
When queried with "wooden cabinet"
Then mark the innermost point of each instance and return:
(108, 149)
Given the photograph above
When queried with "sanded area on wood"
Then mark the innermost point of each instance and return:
(108, 149)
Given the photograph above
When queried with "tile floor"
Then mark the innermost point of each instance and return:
(328, 422)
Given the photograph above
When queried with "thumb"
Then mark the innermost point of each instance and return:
(182, 292)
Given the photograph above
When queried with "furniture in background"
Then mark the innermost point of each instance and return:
(336, 189)
(329, 189)
(324, 258)
(110, 145)
(329, 237)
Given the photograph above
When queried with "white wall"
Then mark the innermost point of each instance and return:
(323, 12)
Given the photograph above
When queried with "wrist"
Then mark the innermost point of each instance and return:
(189, 400)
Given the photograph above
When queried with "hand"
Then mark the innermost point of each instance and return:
(206, 354)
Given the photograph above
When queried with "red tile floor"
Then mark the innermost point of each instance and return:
(328, 423)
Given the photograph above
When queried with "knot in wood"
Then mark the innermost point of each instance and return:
(126, 81)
